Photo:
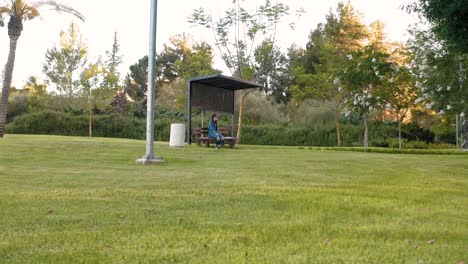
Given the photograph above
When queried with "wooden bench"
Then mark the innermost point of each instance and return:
(201, 136)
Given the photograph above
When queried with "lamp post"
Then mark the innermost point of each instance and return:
(149, 158)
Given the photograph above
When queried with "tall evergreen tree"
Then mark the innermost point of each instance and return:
(112, 62)
(136, 81)
(377, 37)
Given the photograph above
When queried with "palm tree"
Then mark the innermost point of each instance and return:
(19, 11)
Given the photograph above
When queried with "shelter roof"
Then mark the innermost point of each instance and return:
(224, 82)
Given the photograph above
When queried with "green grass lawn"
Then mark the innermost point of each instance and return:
(80, 200)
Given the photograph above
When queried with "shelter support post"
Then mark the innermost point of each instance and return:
(189, 113)
(233, 123)
(233, 115)
(457, 131)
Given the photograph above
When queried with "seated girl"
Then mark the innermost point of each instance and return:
(213, 131)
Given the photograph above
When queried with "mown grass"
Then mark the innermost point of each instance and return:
(452, 151)
(80, 200)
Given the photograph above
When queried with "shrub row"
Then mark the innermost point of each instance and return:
(120, 126)
(380, 135)
(116, 126)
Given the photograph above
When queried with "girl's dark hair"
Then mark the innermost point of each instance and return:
(212, 117)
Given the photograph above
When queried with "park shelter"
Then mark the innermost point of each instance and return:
(214, 93)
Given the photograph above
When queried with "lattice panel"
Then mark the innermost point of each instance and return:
(211, 98)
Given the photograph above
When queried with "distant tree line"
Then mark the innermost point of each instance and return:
(348, 73)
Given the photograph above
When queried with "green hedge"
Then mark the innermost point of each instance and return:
(120, 126)
(288, 136)
(380, 135)
(117, 126)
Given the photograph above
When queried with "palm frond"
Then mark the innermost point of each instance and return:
(4, 10)
(17, 8)
(55, 6)
(31, 13)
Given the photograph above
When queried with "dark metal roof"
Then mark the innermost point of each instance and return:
(224, 82)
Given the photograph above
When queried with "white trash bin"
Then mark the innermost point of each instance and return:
(177, 136)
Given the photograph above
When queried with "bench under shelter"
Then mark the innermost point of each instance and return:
(215, 93)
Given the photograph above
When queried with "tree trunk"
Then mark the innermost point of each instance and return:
(292, 108)
(399, 132)
(90, 124)
(457, 131)
(366, 133)
(338, 130)
(241, 114)
(7, 77)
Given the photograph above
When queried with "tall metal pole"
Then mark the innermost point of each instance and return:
(149, 157)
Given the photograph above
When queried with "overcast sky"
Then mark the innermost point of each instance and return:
(131, 21)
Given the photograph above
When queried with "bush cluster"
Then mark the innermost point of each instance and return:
(319, 134)
(66, 124)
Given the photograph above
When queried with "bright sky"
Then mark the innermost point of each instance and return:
(131, 21)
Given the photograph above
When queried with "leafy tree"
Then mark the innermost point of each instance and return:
(379, 43)
(273, 71)
(440, 73)
(193, 58)
(64, 64)
(95, 96)
(319, 86)
(365, 77)
(89, 81)
(449, 19)
(238, 33)
(329, 44)
(181, 58)
(18, 11)
(400, 92)
(296, 59)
